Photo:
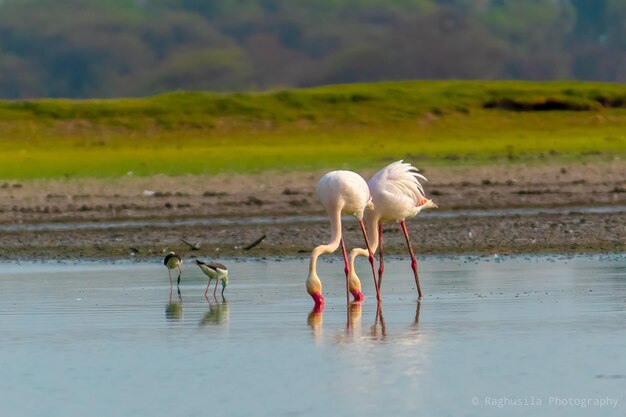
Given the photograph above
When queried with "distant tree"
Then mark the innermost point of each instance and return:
(534, 32)
(444, 44)
(219, 69)
(86, 48)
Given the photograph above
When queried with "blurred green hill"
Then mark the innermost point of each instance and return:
(352, 126)
(112, 48)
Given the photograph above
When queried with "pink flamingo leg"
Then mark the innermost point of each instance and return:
(371, 259)
(346, 268)
(381, 266)
(413, 260)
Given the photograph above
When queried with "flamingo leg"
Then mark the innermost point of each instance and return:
(346, 268)
(381, 266)
(371, 259)
(413, 260)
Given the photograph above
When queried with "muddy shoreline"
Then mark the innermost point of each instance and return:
(292, 195)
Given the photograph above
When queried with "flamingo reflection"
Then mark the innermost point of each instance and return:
(174, 308)
(315, 320)
(352, 332)
(378, 331)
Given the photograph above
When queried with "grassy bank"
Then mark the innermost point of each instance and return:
(354, 126)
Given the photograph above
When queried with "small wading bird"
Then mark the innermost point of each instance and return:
(396, 194)
(214, 271)
(173, 261)
(341, 192)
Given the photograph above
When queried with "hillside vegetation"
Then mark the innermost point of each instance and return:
(122, 48)
(358, 125)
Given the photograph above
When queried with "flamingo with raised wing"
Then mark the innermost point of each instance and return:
(397, 194)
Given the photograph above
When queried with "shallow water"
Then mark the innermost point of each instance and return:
(249, 221)
(504, 337)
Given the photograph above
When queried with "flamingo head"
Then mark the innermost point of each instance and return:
(314, 288)
(354, 286)
(318, 299)
(423, 204)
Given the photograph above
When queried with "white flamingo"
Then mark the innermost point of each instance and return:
(341, 192)
(397, 194)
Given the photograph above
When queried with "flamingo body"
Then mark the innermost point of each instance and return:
(345, 191)
(396, 192)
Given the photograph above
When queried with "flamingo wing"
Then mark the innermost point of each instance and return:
(399, 182)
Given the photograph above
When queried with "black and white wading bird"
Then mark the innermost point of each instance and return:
(173, 261)
(214, 271)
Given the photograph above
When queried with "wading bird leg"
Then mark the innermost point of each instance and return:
(180, 272)
(381, 264)
(215, 289)
(207, 288)
(413, 260)
(170, 274)
(371, 259)
(346, 268)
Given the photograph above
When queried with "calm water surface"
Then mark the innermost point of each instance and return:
(492, 337)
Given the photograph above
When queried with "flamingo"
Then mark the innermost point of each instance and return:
(396, 194)
(214, 271)
(173, 261)
(341, 192)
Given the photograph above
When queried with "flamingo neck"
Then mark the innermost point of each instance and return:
(332, 245)
(371, 228)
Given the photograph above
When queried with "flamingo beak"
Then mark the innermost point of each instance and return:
(318, 299)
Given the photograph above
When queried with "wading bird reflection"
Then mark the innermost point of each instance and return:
(217, 314)
(174, 309)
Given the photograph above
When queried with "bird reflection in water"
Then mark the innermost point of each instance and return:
(352, 332)
(378, 331)
(416, 322)
(217, 314)
(174, 308)
(315, 320)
